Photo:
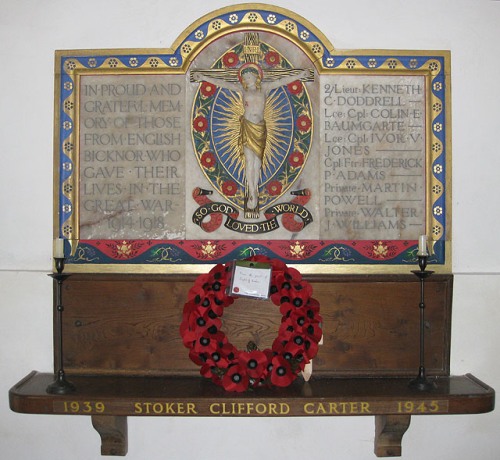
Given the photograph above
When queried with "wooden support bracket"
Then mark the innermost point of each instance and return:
(389, 431)
(113, 432)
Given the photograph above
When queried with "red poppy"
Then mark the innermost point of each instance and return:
(295, 87)
(230, 59)
(188, 336)
(310, 349)
(285, 306)
(217, 359)
(200, 124)
(296, 159)
(298, 298)
(203, 319)
(281, 373)
(212, 305)
(229, 188)
(274, 187)
(300, 322)
(208, 89)
(279, 288)
(272, 58)
(303, 123)
(188, 308)
(288, 282)
(299, 294)
(208, 343)
(286, 328)
(228, 351)
(198, 358)
(235, 379)
(218, 272)
(208, 160)
(196, 292)
(293, 275)
(255, 363)
(278, 265)
(207, 370)
(312, 308)
(294, 353)
(314, 331)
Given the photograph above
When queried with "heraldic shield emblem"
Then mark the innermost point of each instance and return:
(252, 126)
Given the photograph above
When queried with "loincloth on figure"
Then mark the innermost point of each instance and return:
(253, 136)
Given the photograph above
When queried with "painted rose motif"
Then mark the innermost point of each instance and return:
(230, 59)
(296, 159)
(303, 123)
(274, 188)
(272, 58)
(208, 89)
(295, 87)
(229, 188)
(208, 160)
(200, 124)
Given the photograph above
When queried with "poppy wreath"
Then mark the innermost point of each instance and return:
(238, 370)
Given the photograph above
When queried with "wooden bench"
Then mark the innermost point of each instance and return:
(124, 354)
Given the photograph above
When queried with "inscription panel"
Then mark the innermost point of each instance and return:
(373, 157)
(132, 151)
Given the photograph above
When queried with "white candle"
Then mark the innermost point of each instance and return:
(422, 245)
(59, 248)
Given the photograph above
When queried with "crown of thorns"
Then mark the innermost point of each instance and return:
(250, 67)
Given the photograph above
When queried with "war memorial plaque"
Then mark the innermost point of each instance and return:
(253, 135)
(373, 157)
(132, 177)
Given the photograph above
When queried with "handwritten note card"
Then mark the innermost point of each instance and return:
(251, 279)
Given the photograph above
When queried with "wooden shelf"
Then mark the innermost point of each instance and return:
(110, 399)
(124, 354)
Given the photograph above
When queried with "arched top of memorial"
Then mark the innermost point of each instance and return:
(358, 144)
(252, 17)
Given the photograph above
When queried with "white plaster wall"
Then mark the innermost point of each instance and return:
(31, 30)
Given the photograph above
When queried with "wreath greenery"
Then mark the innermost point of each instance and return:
(238, 370)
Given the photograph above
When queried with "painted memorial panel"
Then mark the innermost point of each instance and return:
(253, 135)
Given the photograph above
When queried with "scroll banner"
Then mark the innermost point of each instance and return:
(290, 212)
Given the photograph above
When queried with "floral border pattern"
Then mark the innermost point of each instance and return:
(273, 20)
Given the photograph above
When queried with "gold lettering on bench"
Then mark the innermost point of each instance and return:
(165, 408)
(249, 408)
(79, 407)
(422, 407)
(337, 408)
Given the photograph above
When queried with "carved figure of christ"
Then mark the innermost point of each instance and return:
(253, 136)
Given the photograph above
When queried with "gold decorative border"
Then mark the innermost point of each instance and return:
(315, 45)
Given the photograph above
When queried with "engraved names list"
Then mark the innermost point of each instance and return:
(131, 153)
(372, 156)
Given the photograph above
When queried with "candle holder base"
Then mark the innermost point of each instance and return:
(60, 386)
(422, 384)
(422, 274)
